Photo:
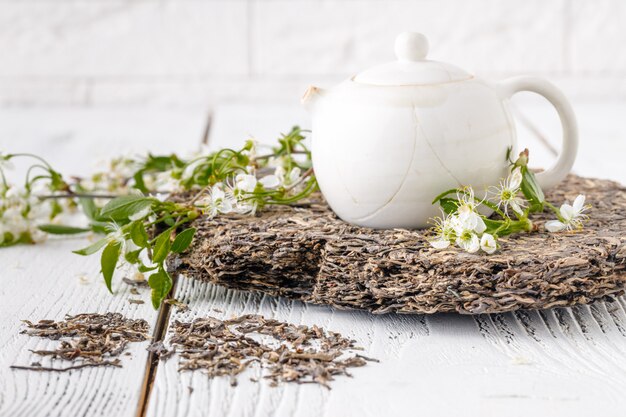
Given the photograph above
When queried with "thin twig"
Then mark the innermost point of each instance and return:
(69, 368)
(198, 195)
(269, 155)
(88, 195)
(306, 174)
(76, 195)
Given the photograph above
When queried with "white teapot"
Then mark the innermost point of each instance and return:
(388, 140)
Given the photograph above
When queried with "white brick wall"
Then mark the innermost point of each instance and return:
(195, 52)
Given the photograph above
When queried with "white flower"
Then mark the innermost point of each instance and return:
(506, 194)
(572, 216)
(465, 230)
(246, 207)
(467, 200)
(20, 213)
(245, 182)
(275, 162)
(444, 229)
(217, 202)
(287, 178)
(164, 182)
(466, 211)
(488, 243)
(270, 181)
(115, 234)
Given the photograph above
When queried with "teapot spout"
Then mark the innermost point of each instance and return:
(310, 97)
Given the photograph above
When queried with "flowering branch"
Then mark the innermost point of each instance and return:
(513, 201)
(140, 227)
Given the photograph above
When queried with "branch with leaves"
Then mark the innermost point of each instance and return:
(127, 203)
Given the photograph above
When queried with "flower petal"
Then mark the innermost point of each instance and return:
(579, 203)
(226, 206)
(473, 245)
(567, 212)
(470, 245)
(480, 225)
(217, 193)
(467, 218)
(246, 182)
(439, 243)
(516, 206)
(488, 243)
(515, 179)
(270, 181)
(554, 226)
(294, 175)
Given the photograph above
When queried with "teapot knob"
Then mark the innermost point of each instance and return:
(411, 46)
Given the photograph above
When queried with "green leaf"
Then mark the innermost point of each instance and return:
(143, 268)
(449, 205)
(58, 229)
(100, 227)
(138, 234)
(89, 207)
(492, 225)
(56, 181)
(445, 193)
(139, 182)
(161, 284)
(108, 262)
(183, 240)
(91, 249)
(120, 208)
(88, 204)
(132, 257)
(162, 247)
(56, 209)
(531, 190)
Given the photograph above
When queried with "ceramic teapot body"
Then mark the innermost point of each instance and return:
(381, 152)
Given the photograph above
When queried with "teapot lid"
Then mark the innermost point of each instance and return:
(411, 67)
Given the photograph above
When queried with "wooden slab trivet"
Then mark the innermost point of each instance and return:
(307, 253)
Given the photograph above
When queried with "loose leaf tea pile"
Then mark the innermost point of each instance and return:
(86, 340)
(307, 253)
(287, 352)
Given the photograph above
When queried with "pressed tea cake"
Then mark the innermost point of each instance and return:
(305, 252)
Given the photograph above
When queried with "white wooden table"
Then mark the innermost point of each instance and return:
(561, 362)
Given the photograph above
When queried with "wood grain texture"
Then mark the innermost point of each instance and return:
(48, 281)
(562, 362)
(565, 361)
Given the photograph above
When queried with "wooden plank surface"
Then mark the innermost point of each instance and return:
(47, 281)
(562, 362)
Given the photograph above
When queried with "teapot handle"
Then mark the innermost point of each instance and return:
(557, 172)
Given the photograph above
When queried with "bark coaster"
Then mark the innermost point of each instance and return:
(307, 253)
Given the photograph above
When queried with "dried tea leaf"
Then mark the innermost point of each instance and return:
(86, 340)
(287, 352)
